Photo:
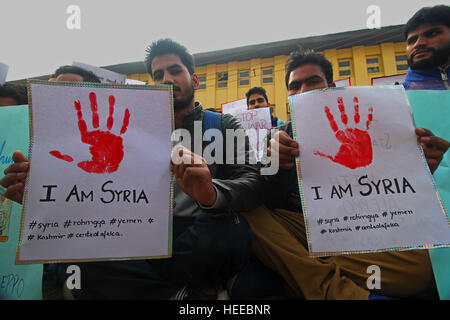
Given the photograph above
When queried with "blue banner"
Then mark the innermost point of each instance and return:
(431, 109)
(17, 282)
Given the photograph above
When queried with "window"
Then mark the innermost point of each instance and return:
(344, 64)
(244, 77)
(402, 61)
(345, 68)
(401, 58)
(267, 75)
(222, 79)
(373, 64)
(202, 82)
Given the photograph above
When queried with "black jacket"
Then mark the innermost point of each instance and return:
(240, 183)
(281, 190)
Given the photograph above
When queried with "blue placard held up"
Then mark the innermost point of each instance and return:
(17, 282)
(431, 110)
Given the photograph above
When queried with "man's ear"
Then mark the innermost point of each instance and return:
(195, 82)
(333, 85)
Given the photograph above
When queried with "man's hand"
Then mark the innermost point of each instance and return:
(193, 177)
(14, 179)
(287, 149)
(433, 147)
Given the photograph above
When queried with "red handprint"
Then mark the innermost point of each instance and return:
(106, 148)
(356, 148)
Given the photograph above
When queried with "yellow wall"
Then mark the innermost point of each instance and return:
(351, 60)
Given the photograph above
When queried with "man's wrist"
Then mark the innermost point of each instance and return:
(212, 199)
(219, 202)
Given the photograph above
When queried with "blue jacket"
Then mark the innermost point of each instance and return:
(427, 79)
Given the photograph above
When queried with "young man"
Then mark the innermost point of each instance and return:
(280, 235)
(211, 239)
(257, 98)
(427, 36)
(12, 95)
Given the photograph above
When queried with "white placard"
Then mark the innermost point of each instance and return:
(257, 124)
(365, 183)
(342, 83)
(97, 189)
(132, 81)
(3, 72)
(234, 107)
(391, 80)
(106, 76)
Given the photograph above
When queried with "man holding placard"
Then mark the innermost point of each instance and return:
(338, 277)
(257, 98)
(427, 35)
(211, 240)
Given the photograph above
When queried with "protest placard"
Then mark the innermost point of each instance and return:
(132, 81)
(343, 83)
(106, 76)
(5, 214)
(16, 282)
(257, 124)
(389, 80)
(431, 111)
(3, 72)
(234, 107)
(98, 186)
(364, 180)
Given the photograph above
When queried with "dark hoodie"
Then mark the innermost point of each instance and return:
(428, 79)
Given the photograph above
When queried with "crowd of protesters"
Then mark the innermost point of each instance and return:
(239, 231)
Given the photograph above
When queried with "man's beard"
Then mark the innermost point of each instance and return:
(439, 57)
(180, 104)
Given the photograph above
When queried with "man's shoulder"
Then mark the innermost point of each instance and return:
(228, 121)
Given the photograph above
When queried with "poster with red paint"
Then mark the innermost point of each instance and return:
(234, 107)
(365, 183)
(98, 187)
(257, 124)
(343, 83)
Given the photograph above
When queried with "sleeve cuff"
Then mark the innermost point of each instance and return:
(220, 201)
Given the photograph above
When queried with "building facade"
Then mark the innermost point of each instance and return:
(226, 75)
(361, 55)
